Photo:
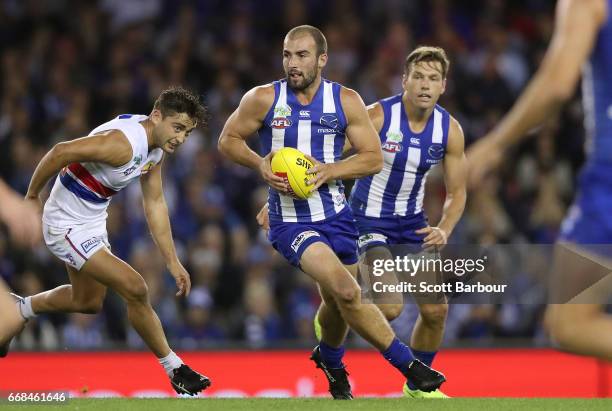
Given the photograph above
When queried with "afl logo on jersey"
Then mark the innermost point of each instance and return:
(436, 151)
(280, 122)
(393, 142)
(392, 147)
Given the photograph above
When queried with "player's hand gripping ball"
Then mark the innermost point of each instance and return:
(292, 164)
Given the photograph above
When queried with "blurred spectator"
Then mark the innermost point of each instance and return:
(83, 332)
(198, 327)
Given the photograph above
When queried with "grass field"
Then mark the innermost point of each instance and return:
(297, 404)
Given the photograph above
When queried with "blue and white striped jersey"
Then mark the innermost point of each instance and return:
(316, 129)
(399, 188)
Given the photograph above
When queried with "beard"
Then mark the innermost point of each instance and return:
(301, 82)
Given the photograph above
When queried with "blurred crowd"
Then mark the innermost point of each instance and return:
(68, 66)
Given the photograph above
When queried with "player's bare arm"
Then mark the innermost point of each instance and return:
(110, 147)
(156, 213)
(243, 123)
(377, 116)
(576, 28)
(364, 140)
(22, 218)
(455, 172)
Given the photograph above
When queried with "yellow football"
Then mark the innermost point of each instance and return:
(292, 164)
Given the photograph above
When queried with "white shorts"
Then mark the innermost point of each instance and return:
(75, 245)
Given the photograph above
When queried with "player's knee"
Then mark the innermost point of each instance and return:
(434, 314)
(391, 311)
(348, 294)
(137, 291)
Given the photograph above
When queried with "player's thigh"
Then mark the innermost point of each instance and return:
(320, 263)
(375, 264)
(85, 288)
(116, 274)
(375, 271)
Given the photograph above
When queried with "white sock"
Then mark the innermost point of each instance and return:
(170, 362)
(25, 308)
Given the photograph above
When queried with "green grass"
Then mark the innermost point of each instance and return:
(323, 404)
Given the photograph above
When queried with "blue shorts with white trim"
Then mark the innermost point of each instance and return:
(338, 232)
(392, 230)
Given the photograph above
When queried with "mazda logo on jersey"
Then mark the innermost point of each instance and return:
(280, 122)
(436, 151)
(392, 147)
(329, 120)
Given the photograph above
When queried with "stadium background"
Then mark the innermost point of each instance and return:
(68, 66)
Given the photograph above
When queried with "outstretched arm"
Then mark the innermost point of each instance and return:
(455, 171)
(156, 213)
(21, 217)
(577, 23)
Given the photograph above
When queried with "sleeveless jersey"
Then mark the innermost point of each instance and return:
(597, 96)
(398, 190)
(316, 129)
(82, 191)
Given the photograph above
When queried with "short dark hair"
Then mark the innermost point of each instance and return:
(175, 100)
(314, 32)
(427, 53)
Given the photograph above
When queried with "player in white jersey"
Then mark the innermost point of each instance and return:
(582, 40)
(307, 112)
(23, 222)
(91, 169)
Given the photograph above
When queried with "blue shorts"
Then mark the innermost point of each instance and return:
(338, 232)
(391, 230)
(588, 220)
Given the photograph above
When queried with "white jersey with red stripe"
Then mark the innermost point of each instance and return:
(82, 191)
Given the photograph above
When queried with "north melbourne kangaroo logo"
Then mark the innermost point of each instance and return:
(330, 120)
(436, 151)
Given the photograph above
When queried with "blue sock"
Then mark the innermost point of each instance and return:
(399, 355)
(332, 357)
(426, 357)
